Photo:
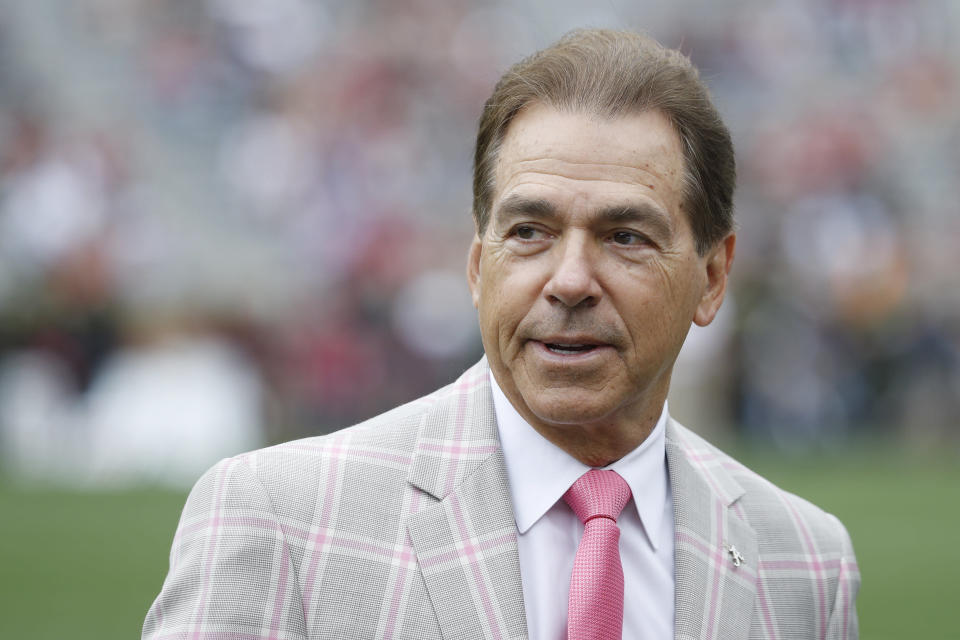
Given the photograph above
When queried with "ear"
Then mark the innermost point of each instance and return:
(718, 263)
(473, 269)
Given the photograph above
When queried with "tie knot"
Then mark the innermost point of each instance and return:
(598, 493)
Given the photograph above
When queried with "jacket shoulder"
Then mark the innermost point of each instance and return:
(783, 520)
(376, 451)
(371, 458)
(805, 563)
(394, 431)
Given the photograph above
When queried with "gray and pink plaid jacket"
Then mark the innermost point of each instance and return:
(402, 527)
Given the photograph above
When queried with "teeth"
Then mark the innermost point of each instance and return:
(567, 349)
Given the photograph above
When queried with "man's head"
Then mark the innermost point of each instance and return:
(612, 73)
(588, 266)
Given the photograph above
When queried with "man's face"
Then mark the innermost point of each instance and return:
(587, 277)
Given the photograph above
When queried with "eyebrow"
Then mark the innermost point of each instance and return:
(646, 214)
(517, 205)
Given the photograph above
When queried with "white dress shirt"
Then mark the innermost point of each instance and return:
(549, 532)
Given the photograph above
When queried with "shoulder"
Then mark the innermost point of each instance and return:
(294, 472)
(783, 521)
(373, 457)
(803, 557)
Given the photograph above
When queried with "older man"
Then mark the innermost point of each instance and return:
(546, 493)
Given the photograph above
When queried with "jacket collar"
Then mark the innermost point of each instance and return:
(466, 542)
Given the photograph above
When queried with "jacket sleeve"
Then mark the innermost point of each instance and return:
(231, 573)
(843, 624)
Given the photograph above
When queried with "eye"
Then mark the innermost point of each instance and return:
(627, 238)
(526, 232)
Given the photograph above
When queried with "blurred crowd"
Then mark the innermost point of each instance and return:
(225, 224)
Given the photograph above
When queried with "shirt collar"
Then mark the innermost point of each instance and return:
(541, 472)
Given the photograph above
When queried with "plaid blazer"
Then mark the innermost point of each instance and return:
(402, 527)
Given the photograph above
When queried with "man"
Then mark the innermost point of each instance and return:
(602, 201)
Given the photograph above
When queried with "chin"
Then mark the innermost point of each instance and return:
(569, 408)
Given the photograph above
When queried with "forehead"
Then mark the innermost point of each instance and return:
(575, 154)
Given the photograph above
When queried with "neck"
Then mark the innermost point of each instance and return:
(593, 439)
(600, 444)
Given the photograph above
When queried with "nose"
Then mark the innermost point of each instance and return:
(573, 281)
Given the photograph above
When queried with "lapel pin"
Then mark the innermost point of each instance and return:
(735, 556)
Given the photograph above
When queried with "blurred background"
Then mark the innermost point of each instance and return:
(229, 223)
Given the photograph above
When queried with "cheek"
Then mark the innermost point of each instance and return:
(498, 309)
(510, 289)
(506, 314)
(658, 312)
(678, 282)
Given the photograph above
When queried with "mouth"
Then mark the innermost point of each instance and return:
(572, 348)
(565, 349)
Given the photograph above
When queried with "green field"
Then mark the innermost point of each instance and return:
(903, 513)
(83, 565)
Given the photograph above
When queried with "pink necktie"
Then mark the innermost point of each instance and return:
(596, 586)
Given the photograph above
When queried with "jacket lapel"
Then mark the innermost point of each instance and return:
(466, 544)
(714, 596)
